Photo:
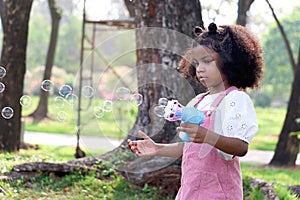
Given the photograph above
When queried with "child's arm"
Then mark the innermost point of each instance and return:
(148, 147)
(199, 134)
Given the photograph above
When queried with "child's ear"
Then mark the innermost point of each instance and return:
(197, 31)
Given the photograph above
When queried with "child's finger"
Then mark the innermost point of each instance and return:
(129, 142)
(134, 149)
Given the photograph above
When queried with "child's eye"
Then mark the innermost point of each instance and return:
(207, 61)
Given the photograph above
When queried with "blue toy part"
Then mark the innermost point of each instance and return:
(191, 115)
(184, 137)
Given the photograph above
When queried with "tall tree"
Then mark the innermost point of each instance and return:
(13, 56)
(287, 147)
(41, 111)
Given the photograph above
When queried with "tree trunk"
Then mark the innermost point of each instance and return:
(13, 58)
(41, 111)
(287, 147)
(2, 14)
(158, 52)
(130, 7)
(243, 8)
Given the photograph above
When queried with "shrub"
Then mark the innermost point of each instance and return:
(262, 100)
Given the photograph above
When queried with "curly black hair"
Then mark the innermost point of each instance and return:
(240, 54)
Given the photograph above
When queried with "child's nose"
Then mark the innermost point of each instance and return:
(199, 69)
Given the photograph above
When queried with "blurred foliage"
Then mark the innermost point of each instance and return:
(278, 71)
(69, 38)
(262, 100)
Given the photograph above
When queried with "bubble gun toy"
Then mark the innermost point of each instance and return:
(174, 111)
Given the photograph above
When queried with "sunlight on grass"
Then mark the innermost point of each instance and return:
(114, 123)
(270, 121)
(44, 153)
(283, 176)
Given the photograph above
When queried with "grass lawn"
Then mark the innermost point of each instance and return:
(270, 121)
(76, 186)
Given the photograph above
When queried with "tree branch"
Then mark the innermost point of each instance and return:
(286, 42)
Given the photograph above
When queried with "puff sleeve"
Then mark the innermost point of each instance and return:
(238, 116)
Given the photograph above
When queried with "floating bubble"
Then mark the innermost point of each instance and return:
(98, 112)
(107, 106)
(7, 112)
(2, 72)
(123, 93)
(25, 101)
(159, 110)
(88, 91)
(163, 101)
(65, 90)
(47, 85)
(71, 98)
(136, 99)
(59, 102)
(2, 87)
(61, 116)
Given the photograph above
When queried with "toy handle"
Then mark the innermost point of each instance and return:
(191, 115)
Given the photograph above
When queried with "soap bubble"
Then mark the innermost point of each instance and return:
(59, 102)
(25, 101)
(98, 112)
(61, 116)
(65, 90)
(123, 93)
(47, 85)
(88, 91)
(159, 110)
(2, 87)
(107, 106)
(163, 101)
(2, 72)
(71, 98)
(7, 112)
(136, 99)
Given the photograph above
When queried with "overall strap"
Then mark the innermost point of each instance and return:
(218, 100)
(201, 96)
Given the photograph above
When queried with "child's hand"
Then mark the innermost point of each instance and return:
(146, 147)
(195, 132)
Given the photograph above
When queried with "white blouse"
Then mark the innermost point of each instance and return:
(235, 116)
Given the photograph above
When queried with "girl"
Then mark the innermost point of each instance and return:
(227, 60)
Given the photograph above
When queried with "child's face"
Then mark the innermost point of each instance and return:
(207, 71)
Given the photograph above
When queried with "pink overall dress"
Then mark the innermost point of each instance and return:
(206, 175)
